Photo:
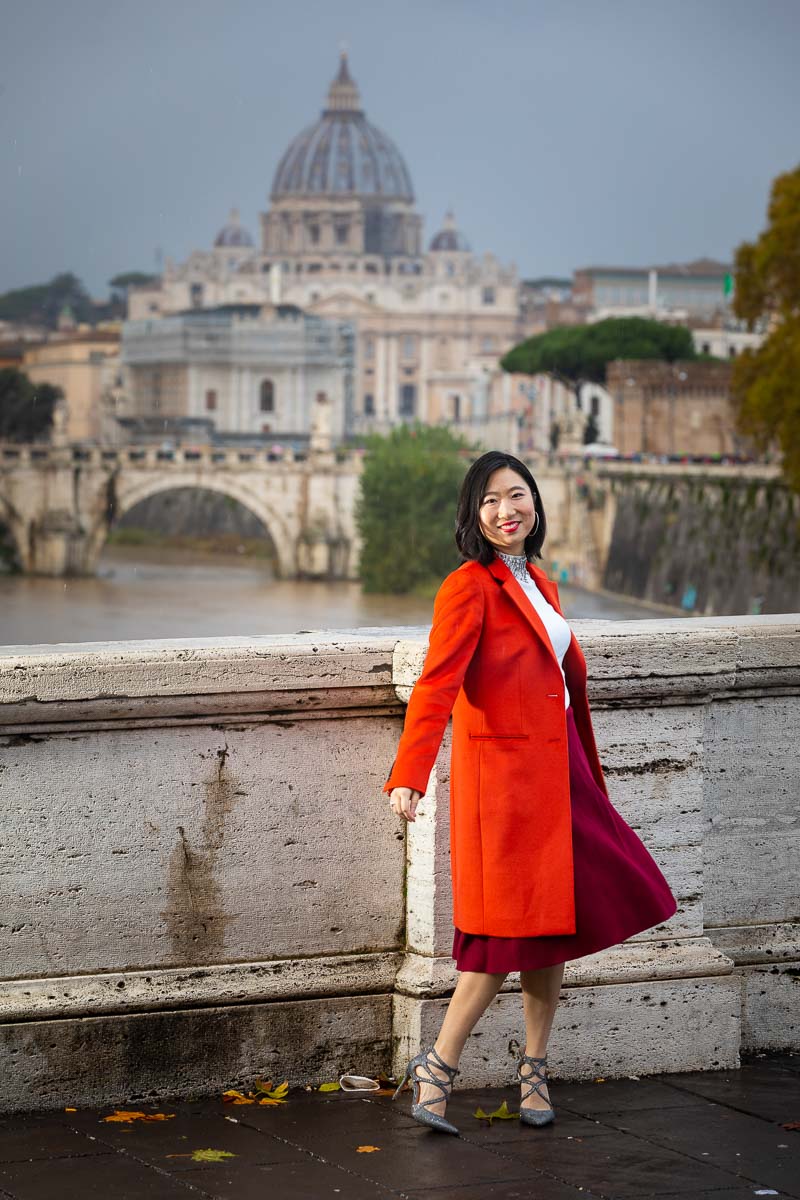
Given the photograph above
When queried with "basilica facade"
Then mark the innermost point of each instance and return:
(342, 240)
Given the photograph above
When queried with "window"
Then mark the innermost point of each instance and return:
(408, 346)
(595, 405)
(211, 400)
(487, 295)
(266, 429)
(408, 399)
(487, 344)
(369, 348)
(342, 231)
(456, 403)
(196, 295)
(369, 404)
(706, 347)
(267, 396)
(313, 234)
(731, 352)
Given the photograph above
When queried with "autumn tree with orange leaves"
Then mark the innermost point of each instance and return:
(766, 382)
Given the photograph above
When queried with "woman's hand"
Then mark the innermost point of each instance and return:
(404, 802)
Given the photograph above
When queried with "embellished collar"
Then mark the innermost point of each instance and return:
(517, 564)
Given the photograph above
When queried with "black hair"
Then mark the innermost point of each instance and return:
(469, 536)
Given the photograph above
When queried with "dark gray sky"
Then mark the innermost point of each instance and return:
(564, 132)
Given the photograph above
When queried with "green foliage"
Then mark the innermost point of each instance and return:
(580, 353)
(406, 509)
(43, 303)
(26, 408)
(766, 382)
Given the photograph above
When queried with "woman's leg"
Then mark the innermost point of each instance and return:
(473, 994)
(540, 992)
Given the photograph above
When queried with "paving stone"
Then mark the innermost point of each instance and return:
(616, 1165)
(735, 1142)
(518, 1189)
(756, 1088)
(24, 1138)
(309, 1180)
(461, 1111)
(595, 1098)
(89, 1178)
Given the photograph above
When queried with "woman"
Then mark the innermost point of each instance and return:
(544, 868)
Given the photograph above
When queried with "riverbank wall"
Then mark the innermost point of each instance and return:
(201, 881)
(709, 540)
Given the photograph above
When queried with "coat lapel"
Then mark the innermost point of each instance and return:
(511, 587)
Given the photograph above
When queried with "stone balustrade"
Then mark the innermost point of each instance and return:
(201, 880)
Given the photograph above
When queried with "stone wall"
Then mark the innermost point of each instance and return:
(201, 881)
(710, 542)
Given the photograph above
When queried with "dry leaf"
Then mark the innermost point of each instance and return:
(70, 1110)
(234, 1097)
(277, 1094)
(366, 1149)
(211, 1155)
(501, 1113)
(329, 1087)
(126, 1117)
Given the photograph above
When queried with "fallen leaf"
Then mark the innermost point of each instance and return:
(124, 1116)
(234, 1097)
(599, 1080)
(366, 1149)
(791, 1125)
(276, 1095)
(329, 1087)
(501, 1113)
(70, 1110)
(211, 1155)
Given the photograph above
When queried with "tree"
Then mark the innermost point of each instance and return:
(43, 303)
(579, 354)
(121, 284)
(766, 382)
(406, 509)
(26, 408)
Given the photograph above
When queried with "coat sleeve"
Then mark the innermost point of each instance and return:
(457, 623)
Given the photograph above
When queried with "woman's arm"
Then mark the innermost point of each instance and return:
(457, 623)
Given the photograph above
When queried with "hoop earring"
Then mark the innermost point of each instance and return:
(536, 526)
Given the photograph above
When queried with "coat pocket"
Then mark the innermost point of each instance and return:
(493, 737)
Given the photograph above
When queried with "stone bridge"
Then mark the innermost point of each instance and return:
(59, 502)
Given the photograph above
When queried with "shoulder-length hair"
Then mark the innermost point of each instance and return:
(469, 537)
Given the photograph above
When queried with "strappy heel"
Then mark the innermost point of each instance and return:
(534, 1080)
(419, 1111)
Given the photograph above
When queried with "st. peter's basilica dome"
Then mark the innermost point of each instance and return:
(343, 154)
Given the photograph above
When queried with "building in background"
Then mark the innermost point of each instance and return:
(342, 240)
(682, 292)
(675, 409)
(86, 366)
(236, 373)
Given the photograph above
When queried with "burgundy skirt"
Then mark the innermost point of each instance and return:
(619, 888)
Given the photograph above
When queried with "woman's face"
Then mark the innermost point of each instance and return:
(507, 512)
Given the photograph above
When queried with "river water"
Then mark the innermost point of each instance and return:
(140, 593)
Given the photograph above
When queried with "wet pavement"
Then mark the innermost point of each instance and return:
(722, 1135)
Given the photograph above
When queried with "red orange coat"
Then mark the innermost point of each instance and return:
(490, 662)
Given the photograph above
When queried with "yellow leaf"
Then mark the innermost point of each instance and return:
(211, 1155)
(366, 1149)
(70, 1110)
(501, 1113)
(329, 1087)
(272, 1100)
(125, 1116)
(599, 1080)
(274, 1093)
(234, 1097)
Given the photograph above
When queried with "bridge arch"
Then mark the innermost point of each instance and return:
(129, 493)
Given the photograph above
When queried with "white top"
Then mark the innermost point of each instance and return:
(557, 628)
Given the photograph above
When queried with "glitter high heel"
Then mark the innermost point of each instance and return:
(419, 1110)
(533, 1080)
